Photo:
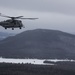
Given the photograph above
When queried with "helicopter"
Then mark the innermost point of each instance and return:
(13, 22)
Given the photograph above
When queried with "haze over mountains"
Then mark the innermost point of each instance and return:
(39, 43)
(4, 35)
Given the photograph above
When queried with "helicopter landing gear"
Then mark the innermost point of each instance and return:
(20, 27)
(5, 27)
(12, 28)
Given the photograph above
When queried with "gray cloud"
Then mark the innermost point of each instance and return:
(60, 6)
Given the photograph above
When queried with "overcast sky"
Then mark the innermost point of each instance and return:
(52, 14)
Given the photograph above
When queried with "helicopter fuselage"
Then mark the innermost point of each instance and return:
(11, 24)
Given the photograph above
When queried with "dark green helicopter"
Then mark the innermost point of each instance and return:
(13, 22)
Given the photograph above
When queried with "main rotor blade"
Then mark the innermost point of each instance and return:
(4, 15)
(18, 17)
(10, 16)
(29, 18)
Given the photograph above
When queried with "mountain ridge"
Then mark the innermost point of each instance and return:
(39, 43)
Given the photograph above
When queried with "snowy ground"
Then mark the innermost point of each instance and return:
(32, 61)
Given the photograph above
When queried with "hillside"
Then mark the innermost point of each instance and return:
(39, 43)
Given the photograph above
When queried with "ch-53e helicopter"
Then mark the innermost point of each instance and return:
(13, 22)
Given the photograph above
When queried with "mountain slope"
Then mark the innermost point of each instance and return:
(39, 43)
